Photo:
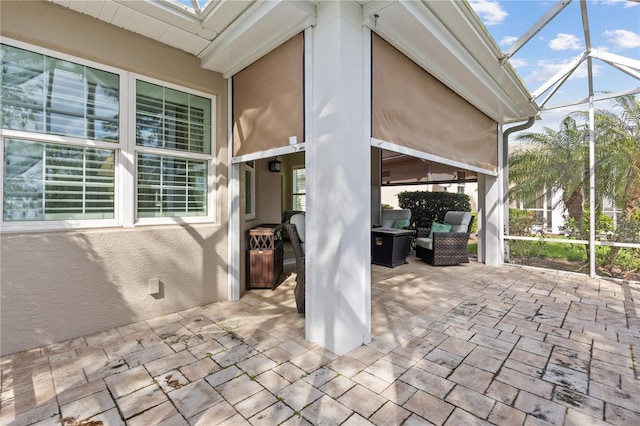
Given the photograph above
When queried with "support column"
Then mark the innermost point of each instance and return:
(338, 253)
(376, 185)
(491, 221)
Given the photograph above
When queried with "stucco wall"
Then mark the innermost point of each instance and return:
(59, 285)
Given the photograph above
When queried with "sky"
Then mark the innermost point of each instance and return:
(614, 27)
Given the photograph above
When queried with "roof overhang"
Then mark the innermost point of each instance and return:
(227, 35)
(444, 37)
(261, 28)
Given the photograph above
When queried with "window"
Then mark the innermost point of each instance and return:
(41, 94)
(45, 181)
(169, 186)
(71, 158)
(70, 176)
(169, 122)
(299, 191)
(249, 191)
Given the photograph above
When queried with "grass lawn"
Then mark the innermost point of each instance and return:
(547, 250)
(571, 257)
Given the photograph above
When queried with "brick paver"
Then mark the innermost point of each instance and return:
(468, 344)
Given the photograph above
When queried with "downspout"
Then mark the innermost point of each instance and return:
(505, 177)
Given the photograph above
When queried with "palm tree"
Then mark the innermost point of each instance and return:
(553, 161)
(618, 144)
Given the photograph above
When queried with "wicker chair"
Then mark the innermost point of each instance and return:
(446, 248)
(299, 292)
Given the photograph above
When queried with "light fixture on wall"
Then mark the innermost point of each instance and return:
(275, 165)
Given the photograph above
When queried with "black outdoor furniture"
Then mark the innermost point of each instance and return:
(390, 247)
(299, 291)
(446, 248)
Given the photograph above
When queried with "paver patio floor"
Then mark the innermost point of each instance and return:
(459, 345)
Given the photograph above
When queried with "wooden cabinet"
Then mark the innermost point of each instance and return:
(264, 256)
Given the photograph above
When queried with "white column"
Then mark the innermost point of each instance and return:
(592, 185)
(338, 225)
(480, 219)
(233, 285)
(491, 221)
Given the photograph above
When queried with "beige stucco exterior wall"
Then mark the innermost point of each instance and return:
(60, 285)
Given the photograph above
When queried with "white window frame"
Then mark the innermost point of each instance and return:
(294, 194)
(138, 149)
(250, 170)
(125, 158)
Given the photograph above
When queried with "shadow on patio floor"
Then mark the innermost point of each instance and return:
(452, 345)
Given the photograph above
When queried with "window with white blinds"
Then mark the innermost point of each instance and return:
(173, 121)
(299, 189)
(170, 186)
(56, 182)
(72, 158)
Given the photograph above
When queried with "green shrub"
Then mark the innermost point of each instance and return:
(521, 221)
(604, 224)
(474, 226)
(428, 207)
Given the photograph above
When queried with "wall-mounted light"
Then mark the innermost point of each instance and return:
(275, 165)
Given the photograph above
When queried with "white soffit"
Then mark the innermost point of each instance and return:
(227, 35)
(262, 28)
(448, 41)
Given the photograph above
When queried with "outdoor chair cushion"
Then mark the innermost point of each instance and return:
(401, 224)
(390, 216)
(439, 227)
(459, 221)
(298, 221)
(426, 243)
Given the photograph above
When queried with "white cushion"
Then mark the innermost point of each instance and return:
(298, 221)
(425, 243)
(459, 221)
(390, 216)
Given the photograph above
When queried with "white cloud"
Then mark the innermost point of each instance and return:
(518, 63)
(547, 69)
(507, 41)
(565, 42)
(625, 3)
(623, 39)
(490, 12)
